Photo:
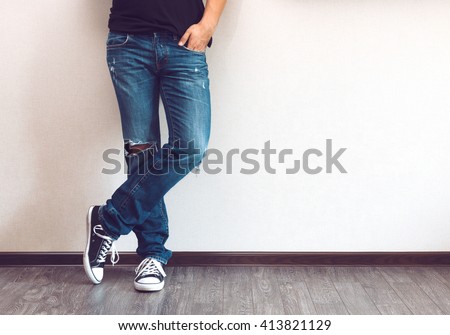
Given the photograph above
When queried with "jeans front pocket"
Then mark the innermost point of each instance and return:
(195, 51)
(116, 40)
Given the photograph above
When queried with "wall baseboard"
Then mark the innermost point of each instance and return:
(243, 259)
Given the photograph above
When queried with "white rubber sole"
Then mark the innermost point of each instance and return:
(149, 287)
(86, 263)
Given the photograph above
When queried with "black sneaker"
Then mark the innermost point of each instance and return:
(97, 247)
(149, 275)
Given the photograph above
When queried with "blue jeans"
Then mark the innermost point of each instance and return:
(144, 68)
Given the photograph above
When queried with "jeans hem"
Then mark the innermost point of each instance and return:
(158, 258)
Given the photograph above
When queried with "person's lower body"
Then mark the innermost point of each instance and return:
(144, 68)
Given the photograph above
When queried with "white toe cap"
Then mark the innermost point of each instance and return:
(149, 280)
(98, 273)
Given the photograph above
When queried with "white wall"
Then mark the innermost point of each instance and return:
(374, 76)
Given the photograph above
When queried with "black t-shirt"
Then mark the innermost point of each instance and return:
(149, 16)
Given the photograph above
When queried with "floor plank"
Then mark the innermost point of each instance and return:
(381, 293)
(266, 293)
(7, 275)
(230, 290)
(323, 293)
(410, 293)
(64, 292)
(207, 291)
(294, 291)
(237, 292)
(352, 293)
(443, 273)
(179, 292)
(24, 294)
(432, 284)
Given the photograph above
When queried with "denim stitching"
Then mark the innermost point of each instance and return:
(163, 214)
(118, 45)
(167, 109)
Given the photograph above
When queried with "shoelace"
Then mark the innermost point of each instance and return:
(107, 244)
(149, 266)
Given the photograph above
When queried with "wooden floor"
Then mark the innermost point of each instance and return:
(230, 290)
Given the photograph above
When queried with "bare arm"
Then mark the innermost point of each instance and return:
(199, 34)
